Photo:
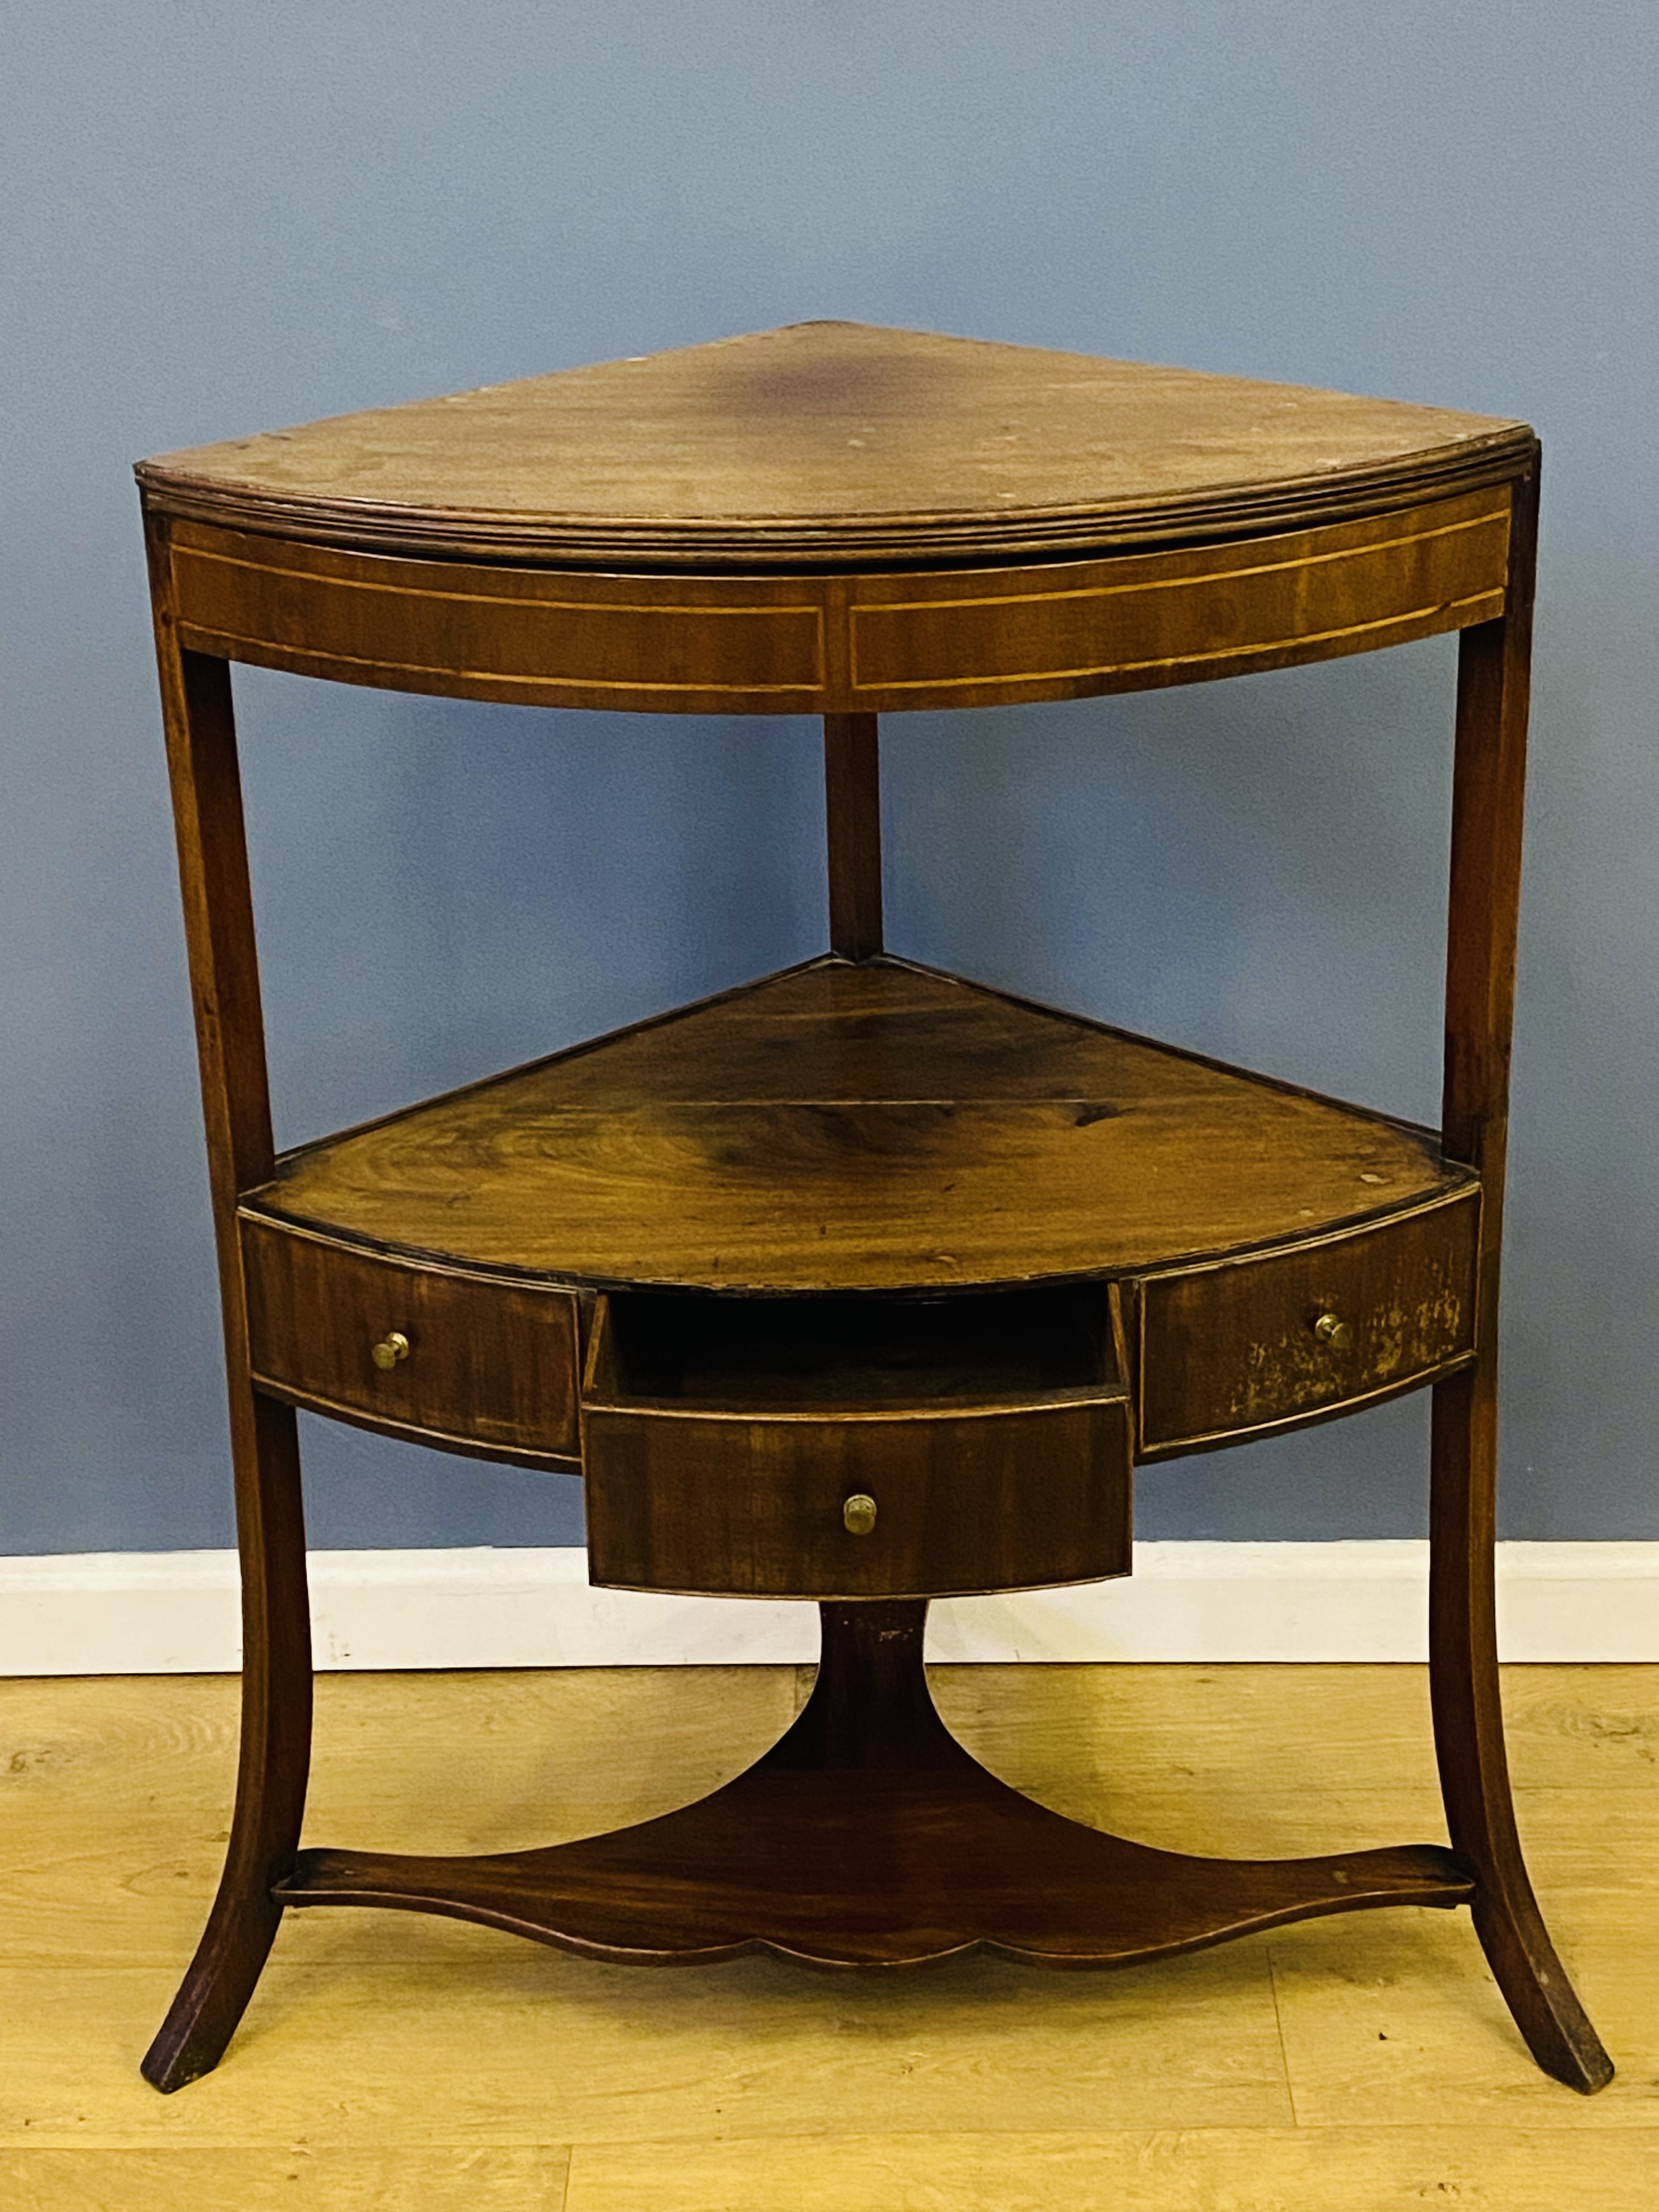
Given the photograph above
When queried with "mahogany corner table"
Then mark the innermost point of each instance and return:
(863, 1282)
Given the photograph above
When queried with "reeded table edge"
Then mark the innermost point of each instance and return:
(970, 538)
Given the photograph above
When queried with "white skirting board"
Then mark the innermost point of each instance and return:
(171, 1613)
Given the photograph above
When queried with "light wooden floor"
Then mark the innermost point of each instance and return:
(392, 2061)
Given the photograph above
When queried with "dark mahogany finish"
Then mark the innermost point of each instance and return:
(274, 1756)
(851, 782)
(1235, 1349)
(874, 1127)
(868, 1837)
(862, 1282)
(485, 1365)
(721, 1439)
(1493, 690)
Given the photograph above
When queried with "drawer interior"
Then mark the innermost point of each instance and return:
(856, 1447)
(682, 1350)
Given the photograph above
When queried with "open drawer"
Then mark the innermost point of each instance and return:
(856, 1447)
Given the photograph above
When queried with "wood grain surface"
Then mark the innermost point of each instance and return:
(205, 783)
(868, 1836)
(786, 643)
(889, 1869)
(1360, 2065)
(855, 1127)
(846, 520)
(488, 1367)
(1235, 1350)
(1141, 621)
(837, 441)
(1331, 2167)
(1494, 680)
(994, 1498)
(991, 1436)
(851, 796)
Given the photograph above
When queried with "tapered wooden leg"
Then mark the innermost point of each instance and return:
(1488, 788)
(212, 877)
(1468, 1728)
(276, 1750)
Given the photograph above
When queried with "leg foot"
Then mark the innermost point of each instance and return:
(275, 1759)
(214, 1994)
(1469, 1729)
(1554, 2025)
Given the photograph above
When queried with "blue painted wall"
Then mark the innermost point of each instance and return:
(221, 220)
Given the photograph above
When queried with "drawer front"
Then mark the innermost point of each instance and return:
(1254, 1345)
(979, 1499)
(489, 1365)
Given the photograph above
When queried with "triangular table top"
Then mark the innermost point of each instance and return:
(836, 442)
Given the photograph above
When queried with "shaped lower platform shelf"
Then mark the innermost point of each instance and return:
(895, 1871)
(868, 1837)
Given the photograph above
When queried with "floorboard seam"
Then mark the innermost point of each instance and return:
(1278, 2030)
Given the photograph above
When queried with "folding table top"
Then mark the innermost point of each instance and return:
(836, 442)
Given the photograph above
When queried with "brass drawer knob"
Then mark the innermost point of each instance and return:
(858, 1512)
(390, 1350)
(1334, 1331)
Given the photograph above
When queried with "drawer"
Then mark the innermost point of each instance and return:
(490, 1365)
(855, 1448)
(1248, 1346)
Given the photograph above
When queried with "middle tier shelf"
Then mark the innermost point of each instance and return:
(1222, 1255)
(867, 1127)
